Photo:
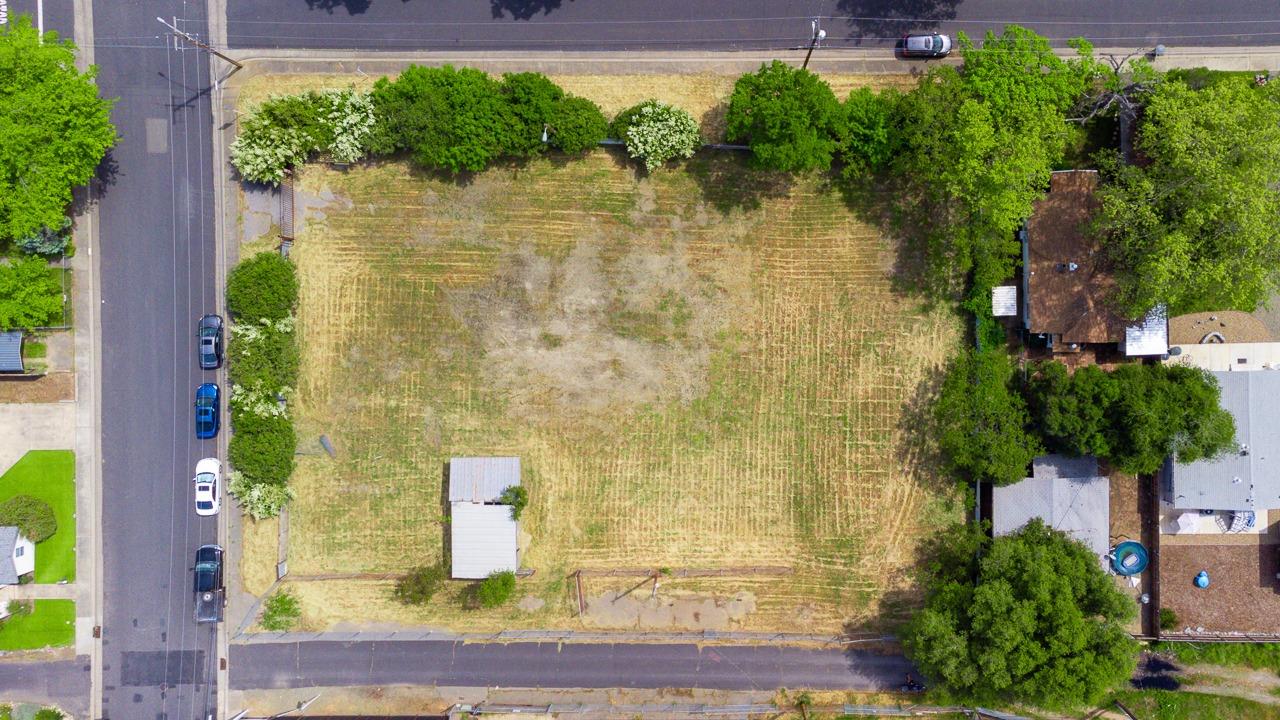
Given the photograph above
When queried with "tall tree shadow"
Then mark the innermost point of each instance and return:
(353, 7)
(871, 20)
(729, 183)
(522, 9)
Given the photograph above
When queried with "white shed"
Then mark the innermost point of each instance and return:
(483, 533)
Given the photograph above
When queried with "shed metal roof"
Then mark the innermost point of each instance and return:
(1078, 506)
(481, 479)
(11, 351)
(1150, 336)
(1248, 478)
(8, 540)
(483, 540)
(1004, 301)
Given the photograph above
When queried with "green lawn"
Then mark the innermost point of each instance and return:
(50, 476)
(1259, 656)
(1173, 705)
(51, 624)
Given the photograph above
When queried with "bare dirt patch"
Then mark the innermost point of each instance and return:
(53, 387)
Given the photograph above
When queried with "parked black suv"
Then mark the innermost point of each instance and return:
(209, 333)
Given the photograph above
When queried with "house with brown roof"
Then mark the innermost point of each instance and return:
(1067, 280)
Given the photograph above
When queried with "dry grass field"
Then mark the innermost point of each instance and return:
(701, 368)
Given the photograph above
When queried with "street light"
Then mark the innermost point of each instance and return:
(817, 35)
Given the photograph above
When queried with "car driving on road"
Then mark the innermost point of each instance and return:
(209, 334)
(207, 411)
(208, 583)
(208, 486)
(929, 45)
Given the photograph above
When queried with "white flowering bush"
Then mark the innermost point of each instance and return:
(261, 500)
(286, 129)
(259, 400)
(351, 118)
(656, 132)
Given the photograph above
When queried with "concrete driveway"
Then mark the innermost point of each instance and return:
(35, 426)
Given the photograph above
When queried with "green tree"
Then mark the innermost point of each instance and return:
(263, 287)
(258, 498)
(870, 136)
(48, 241)
(32, 516)
(451, 119)
(55, 128)
(517, 497)
(576, 125)
(262, 447)
(497, 589)
(1028, 617)
(982, 420)
(1135, 416)
(656, 132)
(264, 355)
(788, 116)
(419, 585)
(30, 295)
(532, 99)
(976, 146)
(1197, 225)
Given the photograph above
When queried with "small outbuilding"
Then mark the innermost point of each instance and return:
(11, 352)
(1066, 493)
(484, 536)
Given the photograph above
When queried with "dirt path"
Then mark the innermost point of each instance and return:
(1255, 685)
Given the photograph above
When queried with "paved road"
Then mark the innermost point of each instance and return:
(157, 267)
(58, 14)
(555, 665)
(729, 24)
(64, 683)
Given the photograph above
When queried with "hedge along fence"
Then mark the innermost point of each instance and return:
(263, 360)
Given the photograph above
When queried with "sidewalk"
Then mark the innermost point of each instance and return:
(871, 61)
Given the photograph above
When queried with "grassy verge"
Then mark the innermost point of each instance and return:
(50, 624)
(1259, 656)
(50, 476)
(33, 350)
(1172, 705)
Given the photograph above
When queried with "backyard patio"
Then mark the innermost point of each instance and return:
(1242, 596)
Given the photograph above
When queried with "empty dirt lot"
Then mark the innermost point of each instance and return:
(702, 368)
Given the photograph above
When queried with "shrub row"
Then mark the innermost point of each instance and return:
(262, 360)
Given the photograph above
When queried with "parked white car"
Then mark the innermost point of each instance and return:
(208, 486)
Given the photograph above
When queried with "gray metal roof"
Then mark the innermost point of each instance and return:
(8, 540)
(1078, 506)
(11, 351)
(1248, 478)
(481, 479)
(1150, 336)
(483, 540)
(1064, 466)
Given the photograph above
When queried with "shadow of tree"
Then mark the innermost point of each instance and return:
(353, 7)
(871, 20)
(729, 183)
(899, 209)
(712, 123)
(522, 9)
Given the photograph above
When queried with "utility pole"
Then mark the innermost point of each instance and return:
(817, 36)
(173, 30)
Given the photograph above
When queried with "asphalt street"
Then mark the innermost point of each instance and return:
(730, 24)
(557, 665)
(58, 14)
(156, 234)
(64, 683)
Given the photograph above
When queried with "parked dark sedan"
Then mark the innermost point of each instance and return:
(929, 45)
(209, 334)
(207, 411)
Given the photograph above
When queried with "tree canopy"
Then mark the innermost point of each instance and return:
(30, 294)
(788, 116)
(1029, 617)
(1135, 416)
(1196, 225)
(56, 128)
(976, 146)
(982, 419)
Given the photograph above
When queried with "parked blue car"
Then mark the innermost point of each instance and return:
(207, 411)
